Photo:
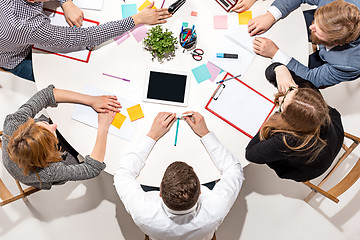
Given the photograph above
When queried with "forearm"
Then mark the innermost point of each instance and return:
(66, 96)
(67, 37)
(99, 150)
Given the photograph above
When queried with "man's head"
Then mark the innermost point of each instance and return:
(336, 23)
(180, 187)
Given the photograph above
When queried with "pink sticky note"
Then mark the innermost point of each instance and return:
(121, 38)
(193, 13)
(139, 32)
(214, 71)
(220, 22)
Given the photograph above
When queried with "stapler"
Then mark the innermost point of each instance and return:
(175, 6)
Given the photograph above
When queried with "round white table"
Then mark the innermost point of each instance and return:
(131, 60)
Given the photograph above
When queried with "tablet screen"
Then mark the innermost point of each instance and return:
(167, 86)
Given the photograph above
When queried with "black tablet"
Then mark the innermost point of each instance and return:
(167, 87)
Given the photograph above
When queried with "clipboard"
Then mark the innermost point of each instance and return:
(240, 106)
(77, 53)
(227, 4)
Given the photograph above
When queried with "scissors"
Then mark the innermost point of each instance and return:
(197, 54)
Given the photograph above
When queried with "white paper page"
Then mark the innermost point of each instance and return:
(88, 116)
(230, 65)
(89, 4)
(76, 52)
(240, 36)
(241, 106)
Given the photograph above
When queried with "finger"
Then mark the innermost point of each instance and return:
(171, 123)
(150, 5)
(189, 121)
(101, 110)
(114, 103)
(170, 118)
(251, 27)
(69, 22)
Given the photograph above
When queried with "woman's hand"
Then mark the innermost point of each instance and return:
(151, 16)
(242, 5)
(104, 104)
(105, 120)
(73, 15)
(284, 79)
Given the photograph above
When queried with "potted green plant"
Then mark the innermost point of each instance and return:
(161, 44)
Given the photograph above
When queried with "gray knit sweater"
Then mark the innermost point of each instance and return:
(57, 173)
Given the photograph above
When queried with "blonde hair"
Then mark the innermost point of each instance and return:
(32, 146)
(302, 119)
(340, 21)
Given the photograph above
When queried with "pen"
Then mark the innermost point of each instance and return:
(192, 35)
(228, 79)
(177, 130)
(124, 79)
(227, 55)
(161, 4)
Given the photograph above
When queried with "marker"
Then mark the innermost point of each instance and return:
(177, 130)
(228, 79)
(186, 115)
(124, 79)
(227, 55)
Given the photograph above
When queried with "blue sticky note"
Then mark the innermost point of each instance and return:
(128, 10)
(201, 73)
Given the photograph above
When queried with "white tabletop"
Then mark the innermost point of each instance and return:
(130, 60)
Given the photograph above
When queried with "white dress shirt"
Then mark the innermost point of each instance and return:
(161, 223)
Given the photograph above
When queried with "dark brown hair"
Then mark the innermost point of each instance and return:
(303, 118)
(32, 146)
(180, 187)
(340, 21)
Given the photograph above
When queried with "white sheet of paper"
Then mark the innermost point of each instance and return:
(89, 4)
(241, 106)
(239, 34)
(80, 53)
(230, 65)
(88, 116)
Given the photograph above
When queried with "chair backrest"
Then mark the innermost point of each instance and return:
(6, 196)
(352, 176)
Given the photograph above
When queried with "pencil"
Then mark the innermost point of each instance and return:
(177, 130)
(124, 79)
(228, 79)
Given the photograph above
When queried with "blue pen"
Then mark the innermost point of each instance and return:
(177, 130)
(192, 35)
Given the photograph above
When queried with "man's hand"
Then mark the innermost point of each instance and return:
(151, 16)
(265, 47)
(284, 79)
(197, 123)
(242, 5)
(261, 24)
(161, 125)
(104, 104)
(105, 120)
(73, 15)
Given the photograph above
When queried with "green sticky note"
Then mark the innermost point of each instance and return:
(185, 24)
(201, 73)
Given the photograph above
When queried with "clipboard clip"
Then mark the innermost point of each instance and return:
(218, 91)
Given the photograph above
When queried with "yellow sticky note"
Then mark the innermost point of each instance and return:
(118, 120)
(145, 4)
(244, 17)
(135, 112)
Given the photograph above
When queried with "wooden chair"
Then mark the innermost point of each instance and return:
(346, 182)
(6, 195)
(147, 237)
